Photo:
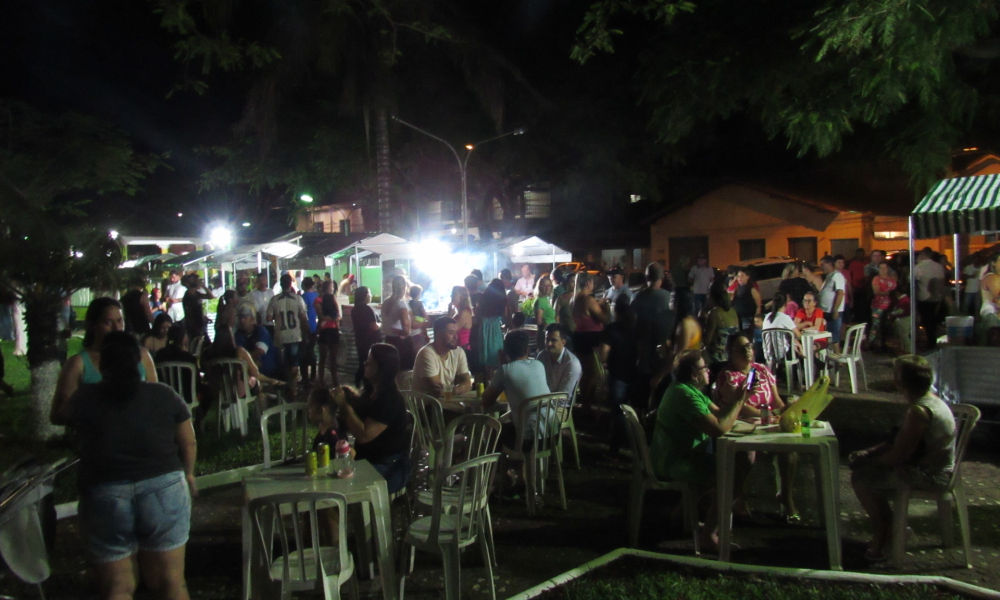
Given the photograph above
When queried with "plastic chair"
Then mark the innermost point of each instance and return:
(446, 532)
(643, 479)
(566, 424)
(779, 345)
(544, 446)
(404, 381)
(289, 451)
(966, 417)
(182, 377)
(196, 346)
(234, 408)
(428, 428)
(299, 562)
(850, 357)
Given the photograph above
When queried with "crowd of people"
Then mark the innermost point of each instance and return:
(683, 350)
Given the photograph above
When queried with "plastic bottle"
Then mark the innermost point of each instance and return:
(344, 464)
(806, 424)
(479, 391)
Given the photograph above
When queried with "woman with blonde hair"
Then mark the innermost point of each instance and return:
(545, 313)
(460, 309)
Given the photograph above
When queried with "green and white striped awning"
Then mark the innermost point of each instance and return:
(959, 205)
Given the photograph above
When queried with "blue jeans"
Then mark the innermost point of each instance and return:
(833, 326)
(700, 302)
(152, 515)
(396, 470)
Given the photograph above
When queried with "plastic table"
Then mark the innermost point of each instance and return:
(823, 444)
(809, 339)
(367, 485)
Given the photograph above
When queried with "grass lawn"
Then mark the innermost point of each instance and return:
(631, 578)
(215, 453)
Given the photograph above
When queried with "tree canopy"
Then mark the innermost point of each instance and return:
(903, 77)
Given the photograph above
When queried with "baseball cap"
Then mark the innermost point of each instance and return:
(615, 271)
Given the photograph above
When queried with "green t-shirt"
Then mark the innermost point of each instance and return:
(679, 451)
(548, 313)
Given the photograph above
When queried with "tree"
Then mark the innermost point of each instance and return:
(44, 161)
(887, 74)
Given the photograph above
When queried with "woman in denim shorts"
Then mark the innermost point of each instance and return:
(137, 453)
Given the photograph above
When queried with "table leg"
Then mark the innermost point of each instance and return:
(383, 526)
(247, 553)
(358, 513)
(830, 464)
(807, 362)
(724, 468)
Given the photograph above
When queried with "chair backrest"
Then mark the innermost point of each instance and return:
(196, 346)
(232, 372)
(469, 485)
(778, 345)
(404, 380)
(852, 340)
(966, 417)
(479, 432)
(291, 447)
(428, 419)
(642, 465)
(182, 377)
(266, 516)
(547, 428)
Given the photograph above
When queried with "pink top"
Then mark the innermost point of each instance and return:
(585, 323)
(738, 379)
(883, 284)
(463, 338)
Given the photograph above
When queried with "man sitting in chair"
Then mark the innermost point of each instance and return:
(520, 377)
(442, 363)
(562, 367)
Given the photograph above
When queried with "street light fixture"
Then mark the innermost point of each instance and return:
(306, 198)
(462, 166)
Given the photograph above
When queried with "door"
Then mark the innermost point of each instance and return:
(691, 247)
(751, 249)
(803, 248)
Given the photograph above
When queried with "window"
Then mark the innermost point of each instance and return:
(318, 226)
(536, 205)
(751, 249)
(803, 248)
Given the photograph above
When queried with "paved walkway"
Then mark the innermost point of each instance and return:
(531, 550)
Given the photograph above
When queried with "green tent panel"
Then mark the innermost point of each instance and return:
(959, 205)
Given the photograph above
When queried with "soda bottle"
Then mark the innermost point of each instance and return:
(344, 464)
(806, 424)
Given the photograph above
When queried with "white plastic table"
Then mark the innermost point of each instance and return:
(367, 485)
(823, 444)
(809, 339)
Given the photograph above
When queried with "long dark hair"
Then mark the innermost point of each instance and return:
(120, 360)
(95, 312)
(494, 300)
(386, 356)
(160, 320)
(778, 304)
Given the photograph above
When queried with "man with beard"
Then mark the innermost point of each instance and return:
(442, 363)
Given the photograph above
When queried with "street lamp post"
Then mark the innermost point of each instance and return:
(462, 166)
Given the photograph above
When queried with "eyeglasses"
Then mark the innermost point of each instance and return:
(808, 302)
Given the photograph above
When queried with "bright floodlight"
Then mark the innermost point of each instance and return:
(113, 234)
(246, 224)
(306, 198)
(520, 131)
(180, 214)
(469, 146)
(221, 238)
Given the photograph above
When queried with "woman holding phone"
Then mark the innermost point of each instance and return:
(739, 375)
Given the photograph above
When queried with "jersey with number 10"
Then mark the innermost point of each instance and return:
(286, 309)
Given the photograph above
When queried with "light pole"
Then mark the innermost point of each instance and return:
(461, 166)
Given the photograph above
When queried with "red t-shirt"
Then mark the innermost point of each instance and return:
(857, 271)
(883, 284)
(817, 314)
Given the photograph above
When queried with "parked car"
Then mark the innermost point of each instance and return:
(766, 272)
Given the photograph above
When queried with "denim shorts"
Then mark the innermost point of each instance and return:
(152, 515)
(833, 325)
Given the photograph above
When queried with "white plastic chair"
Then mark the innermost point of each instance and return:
(428, 428)
(779, 346)
(182, 377)
(547, 432)
(850, 357)
(292, 447)
(447, 531)
(567, 425)
(300, 562)
(643, 479)
(404, 381)
(196, 346)
(966, 417)
(233, 409)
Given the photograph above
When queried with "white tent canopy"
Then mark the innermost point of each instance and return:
(388, 246)
(534, 249)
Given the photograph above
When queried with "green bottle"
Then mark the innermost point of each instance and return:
(806, 424)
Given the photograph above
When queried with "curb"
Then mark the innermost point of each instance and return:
(957, 587)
